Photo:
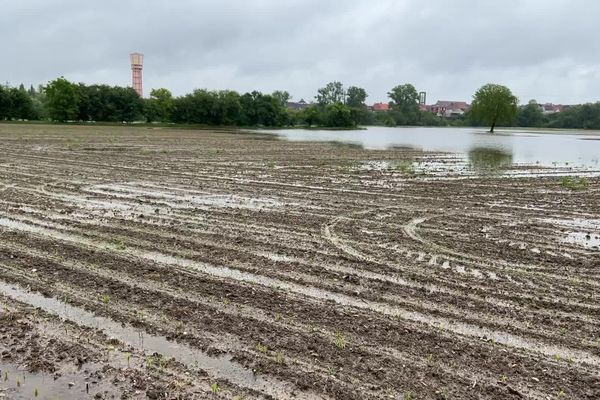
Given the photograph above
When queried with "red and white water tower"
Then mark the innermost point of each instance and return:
(137, 64)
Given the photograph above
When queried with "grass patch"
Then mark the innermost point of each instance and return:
(405, 168)
(574, 183)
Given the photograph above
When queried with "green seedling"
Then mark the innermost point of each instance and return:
(279, 357)
(105, 299)
(340, 340)
(262, 348)
(120, 245)
(214, 388)
(128, 358)
(504, 378)
(163, 362)
(445, 394)
(563, 330)
(109, 349)
(36, 392)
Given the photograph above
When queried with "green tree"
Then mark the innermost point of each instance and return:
(332, 93)
(194, 108)
(262, 109)
(339, 115)
(128, 106)
(62, 100)
(159, 106)
(5, 103)
(404, 104)
(227, 108)
(21, 106)
(282, 96)
(356, 97)
(494, 104)
(15, 103)
(311, 116)
(530, 115)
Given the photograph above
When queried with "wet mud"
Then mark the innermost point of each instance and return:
(166, 264)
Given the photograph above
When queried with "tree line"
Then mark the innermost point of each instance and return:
(334, 106)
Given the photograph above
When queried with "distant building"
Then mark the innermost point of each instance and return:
(550, 108)
(379, 107)
(300, 105)
(449, 109)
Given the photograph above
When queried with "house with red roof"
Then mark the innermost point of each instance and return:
(550, 108)
(381, 107)
(449, 109)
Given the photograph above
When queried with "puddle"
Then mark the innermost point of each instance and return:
(584, 232)
(237, 374)
(526, 147)
(386, 309)
(187, 199)
(588, 240)
(579, 223)
(18, 384)
(218, 367)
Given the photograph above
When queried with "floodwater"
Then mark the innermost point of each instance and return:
(221, 367)
(224, 367)
(18, 384)
(549, 148)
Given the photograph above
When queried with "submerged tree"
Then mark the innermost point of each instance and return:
(494, 104)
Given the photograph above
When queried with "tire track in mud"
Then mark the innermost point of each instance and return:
(312, 245)
(475, 378)
(363, 275)
(366, 275)
(223, 272)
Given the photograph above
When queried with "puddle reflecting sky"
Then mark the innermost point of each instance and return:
(577, 148)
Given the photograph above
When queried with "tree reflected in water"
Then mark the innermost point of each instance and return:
(489, 160)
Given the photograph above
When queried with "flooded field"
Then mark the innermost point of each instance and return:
(574, 148)
(154, 263)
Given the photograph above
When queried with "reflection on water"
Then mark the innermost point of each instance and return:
(486, 160)
(547, 148)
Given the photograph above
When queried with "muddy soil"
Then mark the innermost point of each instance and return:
(178, 264)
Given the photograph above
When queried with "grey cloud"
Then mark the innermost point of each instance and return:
(544, 49)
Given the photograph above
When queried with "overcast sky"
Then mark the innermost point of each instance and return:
(542, 49)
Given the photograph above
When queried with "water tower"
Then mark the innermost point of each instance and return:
(137, 63)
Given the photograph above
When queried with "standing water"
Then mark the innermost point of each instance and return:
(550, 147)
